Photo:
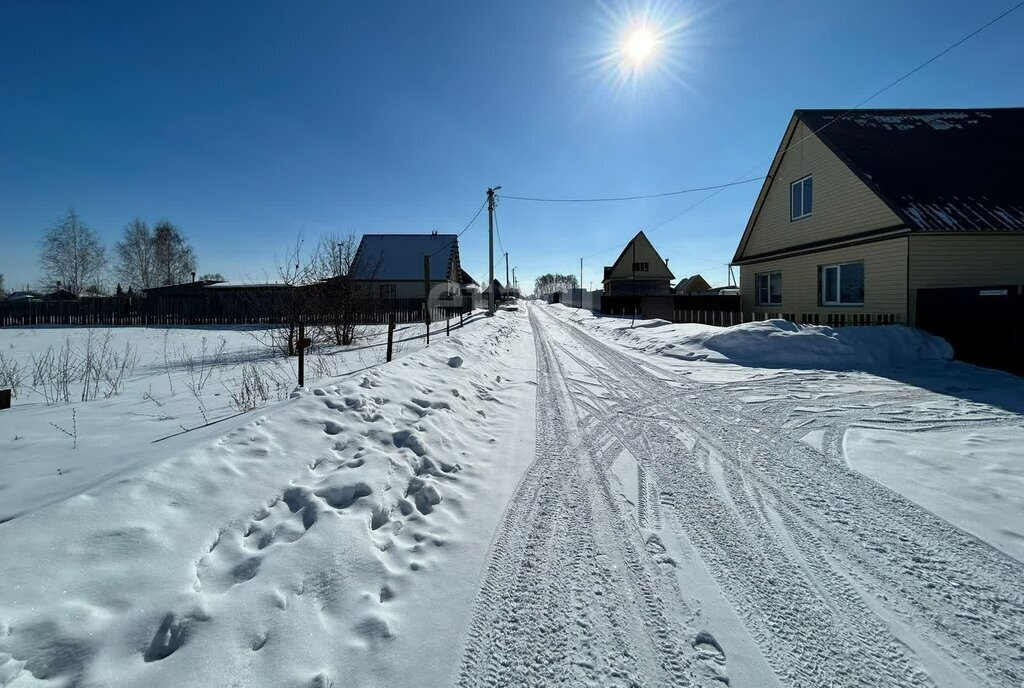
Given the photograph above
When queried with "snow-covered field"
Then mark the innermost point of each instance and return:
(544, 498)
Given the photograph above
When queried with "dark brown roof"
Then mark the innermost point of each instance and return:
(938, 170)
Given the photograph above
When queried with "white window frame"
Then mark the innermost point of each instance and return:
(768, 288)
(793, 216)
(839, 283)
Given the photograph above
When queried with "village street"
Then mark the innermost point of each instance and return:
(544, 498)
(672, 532)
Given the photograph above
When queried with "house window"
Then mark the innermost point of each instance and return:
(641, 267)
(388, 291)
(769, 289)
(801, 197)
(842, 284)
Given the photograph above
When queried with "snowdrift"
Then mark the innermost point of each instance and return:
(771, 343)
(783, 344)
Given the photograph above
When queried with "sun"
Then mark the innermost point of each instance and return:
(639, 45)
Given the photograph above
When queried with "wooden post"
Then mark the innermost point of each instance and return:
(5, 399)
(426, 295)
(303, 344)
(448, 327)
(391, 334)
(460, 319)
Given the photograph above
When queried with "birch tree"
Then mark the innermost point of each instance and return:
(72, 255)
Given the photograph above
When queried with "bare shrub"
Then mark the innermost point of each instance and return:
(97, 366)
(12, 374)
(254, 390)
(200, 365)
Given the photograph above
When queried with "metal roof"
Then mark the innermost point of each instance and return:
(939, 170)
(399, 257)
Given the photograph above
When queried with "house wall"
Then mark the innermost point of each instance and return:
(964, 260)
(405, 289)
(885, 280)
(842, 203)
(624, 287)
(623, 269)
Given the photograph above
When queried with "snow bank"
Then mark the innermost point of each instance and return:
(770, 343)
(782, 344)
(305, 543)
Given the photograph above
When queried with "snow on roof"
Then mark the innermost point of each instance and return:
(255, 285)
(400, 256)
(939, 170)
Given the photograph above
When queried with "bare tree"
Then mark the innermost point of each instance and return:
(211, 276)
(136, 256)
(174, 259)
(72, 254)
(337, 293)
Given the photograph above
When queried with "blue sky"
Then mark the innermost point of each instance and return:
(248, 123)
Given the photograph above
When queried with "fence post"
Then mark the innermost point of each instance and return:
(303, 343)
(391, 334)
(448, 327)
(460, 319)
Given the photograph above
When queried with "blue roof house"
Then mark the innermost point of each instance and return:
(391, 265)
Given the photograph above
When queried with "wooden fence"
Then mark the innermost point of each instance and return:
(208, 310)
(726, 311)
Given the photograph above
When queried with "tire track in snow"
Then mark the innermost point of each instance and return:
(570, 595)
(784, 506)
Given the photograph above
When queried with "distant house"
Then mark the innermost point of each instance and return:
(860, 210)
(24, 296)
(638, 270)
(467, 284)
(390, 266)
(694, 284)
(185, 289)
(61, 295)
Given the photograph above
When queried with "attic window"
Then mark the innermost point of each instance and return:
(801, 195)
(642, 267)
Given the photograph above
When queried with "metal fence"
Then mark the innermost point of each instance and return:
(985, 325)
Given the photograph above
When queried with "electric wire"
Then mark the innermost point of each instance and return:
(630, 198)
(847, 113)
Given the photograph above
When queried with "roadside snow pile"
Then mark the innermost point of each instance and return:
(783, 344)
(769, 343)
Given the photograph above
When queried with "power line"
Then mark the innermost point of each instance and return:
(631, 198)
(844, 115)
(468, 225)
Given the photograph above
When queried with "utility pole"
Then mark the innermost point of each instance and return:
(506, 270)
(632, 245)
(581, 283)
(490, 248)
(515, 284)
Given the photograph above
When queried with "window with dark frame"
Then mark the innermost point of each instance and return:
(842, 284)
(801, 198)
(769, 288)
(641, 267)
(388, 291)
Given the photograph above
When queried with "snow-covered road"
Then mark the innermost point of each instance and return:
(742, 546)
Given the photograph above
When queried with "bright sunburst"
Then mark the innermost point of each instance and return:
(642, 47)
(639, 45)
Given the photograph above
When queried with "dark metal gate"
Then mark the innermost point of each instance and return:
(985, 325)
